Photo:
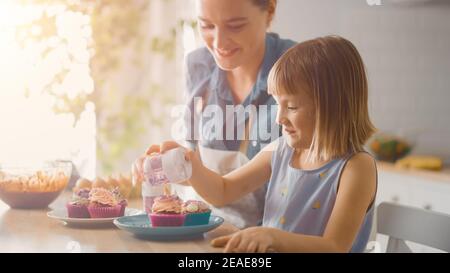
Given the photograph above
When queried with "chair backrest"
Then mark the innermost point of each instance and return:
(402, 223)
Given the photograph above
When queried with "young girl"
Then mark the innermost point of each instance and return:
(322, 184)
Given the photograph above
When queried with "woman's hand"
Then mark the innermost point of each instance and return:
(254, 239)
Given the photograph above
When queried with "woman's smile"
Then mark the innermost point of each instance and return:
(224, 53)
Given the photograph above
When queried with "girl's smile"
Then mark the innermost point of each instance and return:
(289, 131)
(296, 115)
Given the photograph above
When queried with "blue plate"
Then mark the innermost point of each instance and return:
(140, 226)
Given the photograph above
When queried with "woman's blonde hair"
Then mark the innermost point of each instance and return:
(267, 5)
(332, 72)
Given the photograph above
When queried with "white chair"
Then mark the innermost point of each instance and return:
(402, 223)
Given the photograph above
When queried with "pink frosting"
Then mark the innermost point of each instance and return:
(102, 196)
(167, 204)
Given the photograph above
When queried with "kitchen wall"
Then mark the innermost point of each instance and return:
(406, 49)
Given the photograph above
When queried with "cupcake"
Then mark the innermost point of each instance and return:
(103, 204)
(166, 211)
(82, 183)
(78, 207)
(120, 200)
(197, 213)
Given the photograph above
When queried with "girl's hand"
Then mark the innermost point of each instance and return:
(163, 147)
(189, 155)
(137, 173)
(137, 167)
(254, 239)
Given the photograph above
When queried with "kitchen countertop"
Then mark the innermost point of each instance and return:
(443, 175)
(34, 231)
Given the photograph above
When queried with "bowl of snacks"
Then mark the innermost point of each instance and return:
(389, 147)
(35, 187)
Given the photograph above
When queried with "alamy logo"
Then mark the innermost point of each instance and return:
(73, 247)
(373, 247)
(215, 123)
(374, 2)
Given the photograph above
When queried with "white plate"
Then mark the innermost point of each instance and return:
(61, 214)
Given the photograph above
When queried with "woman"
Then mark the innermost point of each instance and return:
(231, 70)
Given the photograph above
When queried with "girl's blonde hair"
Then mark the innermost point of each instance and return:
(332, 72)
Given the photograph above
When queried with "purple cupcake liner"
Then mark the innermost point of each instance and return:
(123, 204)
(122, 210)
(104, 212)
(166, 220)
(77, 211)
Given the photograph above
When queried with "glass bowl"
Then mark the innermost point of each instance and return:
(390, 147)
(33, 187)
